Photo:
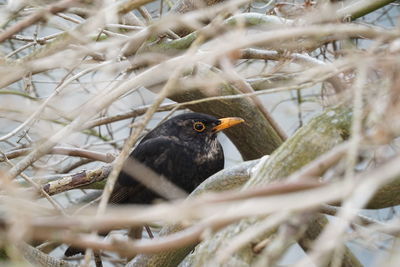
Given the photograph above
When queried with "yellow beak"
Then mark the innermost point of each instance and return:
(226, 123)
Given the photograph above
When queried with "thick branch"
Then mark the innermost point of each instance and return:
(254, 138)
(315, 138)
(77, 180)
(38, 258)
(359, 8)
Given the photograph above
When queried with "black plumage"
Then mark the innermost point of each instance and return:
(183, 149)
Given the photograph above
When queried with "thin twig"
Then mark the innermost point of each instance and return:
(36, 17)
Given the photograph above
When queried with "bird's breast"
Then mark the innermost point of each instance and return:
(209, 153)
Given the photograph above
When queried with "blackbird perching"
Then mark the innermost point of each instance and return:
(183, 149)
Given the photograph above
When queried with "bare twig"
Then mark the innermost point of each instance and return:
(70, 151)
(36, 17)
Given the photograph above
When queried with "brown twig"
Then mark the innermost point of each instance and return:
(38, 188)
(69, 151)
(36, 17)
(112, 221)
(131, 114)
(251, 53)
(128, 248)
(245, 87)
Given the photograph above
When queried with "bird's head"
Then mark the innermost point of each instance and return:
(192, 126)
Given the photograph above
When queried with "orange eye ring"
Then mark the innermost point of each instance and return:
(198, 126)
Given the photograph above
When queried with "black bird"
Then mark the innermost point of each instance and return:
(183, 149)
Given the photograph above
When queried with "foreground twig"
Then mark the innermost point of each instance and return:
(38, 16)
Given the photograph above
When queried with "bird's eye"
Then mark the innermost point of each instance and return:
(198, 126)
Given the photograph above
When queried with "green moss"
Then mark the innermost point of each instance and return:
(312, 140)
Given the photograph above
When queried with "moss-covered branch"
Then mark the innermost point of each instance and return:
(38, 258)
(317, 137)
(359, 8)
